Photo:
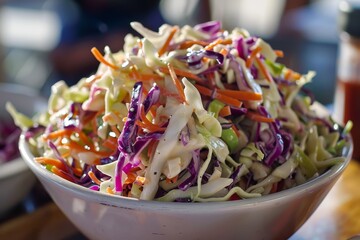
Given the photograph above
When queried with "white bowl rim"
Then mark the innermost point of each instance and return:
(131, 203)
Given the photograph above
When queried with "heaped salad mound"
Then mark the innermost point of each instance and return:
(187, 114)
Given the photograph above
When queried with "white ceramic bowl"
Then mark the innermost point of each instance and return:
(101, 216)
(16, 179)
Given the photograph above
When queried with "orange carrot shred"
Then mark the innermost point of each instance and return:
(221, 97)
(94, 178)
(172, 180)
(190, 43)
(140, 180)
(101, 59)
(78, 171)
(279, 53)
(110, 190)
(51, 161)
(252, 56)
(182, 73)
(151, 148)
(146, 124)
(163, 49)
(264, 70)
(139, 42)
(60, 173)
(241, 95)
(110, 143)
(150, 128)
(259, 118)
(224, 52)
(225, 111)
(235, 130)
(131, 176)
(217, 42)
(144, 77)
(177, 83)
(58, 133)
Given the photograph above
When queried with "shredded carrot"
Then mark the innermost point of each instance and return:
(84, 138)
(177, 83)
(225, 111)
(296, 75)
(150, 128)
(66, 154)
(165, 92)
(60, 173)
(101, 59)
(288, 74)
(109, 190)
(190, 43)
(146, 124)
(279, 53)
(140, 180)
(291, 75)
(224, 52)
(131, 177)
(111, 117)
(151, 148)
(163, 49)
(221, 97)
(172, 180)
(217, 42)
(94, 178)
(241, 95)
(74, 146)
(139, 42)
(110, 143)
(252, 56)
(237, 132)
(58, 133)
(227, 100)
(51, 161)
(78, 171)
(182, 73)
(61, 133)
(204, 90)
(264, 70)
(259, 118)
(144, 77)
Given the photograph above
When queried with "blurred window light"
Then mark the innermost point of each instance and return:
(29, 28)
(259, 17)
(178, 12)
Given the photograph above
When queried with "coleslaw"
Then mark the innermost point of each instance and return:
(9, 138)
(190, 114)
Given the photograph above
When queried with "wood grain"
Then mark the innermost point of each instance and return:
(46, 223)
(338, 216)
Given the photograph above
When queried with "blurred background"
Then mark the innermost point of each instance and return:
(43, 41)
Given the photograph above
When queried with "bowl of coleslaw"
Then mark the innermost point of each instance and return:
(16, 179)
(192, 132)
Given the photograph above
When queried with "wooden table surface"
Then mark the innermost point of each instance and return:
(337, 218)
